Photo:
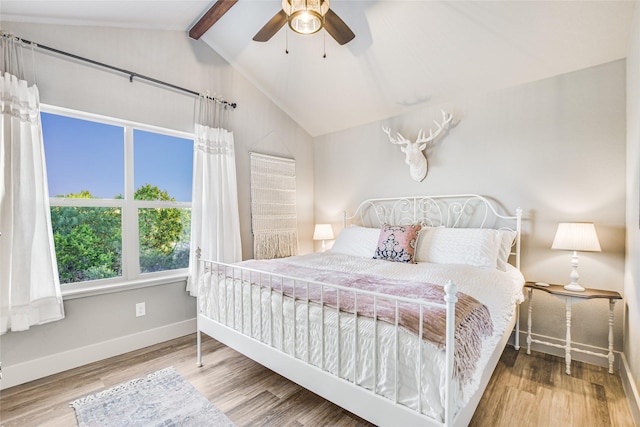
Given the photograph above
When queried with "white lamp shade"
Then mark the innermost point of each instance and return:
(323, 232)
(576, 236)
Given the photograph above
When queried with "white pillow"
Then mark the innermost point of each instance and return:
(504, 251)
(357, 241)
(471, 246)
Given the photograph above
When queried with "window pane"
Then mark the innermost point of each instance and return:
(88, 242)
(83, 156)
(164, 162)
(164, 238)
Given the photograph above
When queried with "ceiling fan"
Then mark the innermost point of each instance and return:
(303, 16)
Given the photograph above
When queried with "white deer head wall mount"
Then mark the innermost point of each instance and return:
(414, 156)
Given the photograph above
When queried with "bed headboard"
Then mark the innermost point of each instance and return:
(453, 211)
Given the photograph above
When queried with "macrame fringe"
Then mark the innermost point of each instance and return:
(275, 244)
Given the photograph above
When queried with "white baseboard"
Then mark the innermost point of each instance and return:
(59, 362)
(630, 390)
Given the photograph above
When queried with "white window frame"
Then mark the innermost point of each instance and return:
(131, 277)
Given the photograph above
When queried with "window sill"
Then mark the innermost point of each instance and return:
(102, 289)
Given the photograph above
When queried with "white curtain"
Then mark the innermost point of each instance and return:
(215, 221)
(29, 285)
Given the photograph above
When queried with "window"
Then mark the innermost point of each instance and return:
(120, 196)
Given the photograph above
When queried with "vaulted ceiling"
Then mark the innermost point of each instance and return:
(406, 54)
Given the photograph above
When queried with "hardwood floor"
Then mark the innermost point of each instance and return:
(524, 391)
(533, 390)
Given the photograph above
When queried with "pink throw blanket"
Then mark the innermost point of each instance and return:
(472, 319)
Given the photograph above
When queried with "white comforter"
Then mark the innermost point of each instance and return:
(259, 313)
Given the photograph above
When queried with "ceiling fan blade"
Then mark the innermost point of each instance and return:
(337, 28)
(271, 27)
(214, 13)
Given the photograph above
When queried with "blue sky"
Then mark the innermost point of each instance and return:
(85, 155)
(164, 161)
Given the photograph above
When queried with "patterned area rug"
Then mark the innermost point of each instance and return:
(162, 398)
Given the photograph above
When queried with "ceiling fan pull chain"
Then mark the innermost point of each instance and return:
(286, 41)
(324, 42)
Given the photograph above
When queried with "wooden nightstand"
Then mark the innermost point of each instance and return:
(570, 298)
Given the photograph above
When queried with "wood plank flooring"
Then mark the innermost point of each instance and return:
(524, 391)
(533, 390)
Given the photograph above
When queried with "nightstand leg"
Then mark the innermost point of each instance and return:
(530, 308)
(612, 303)
(567, 347)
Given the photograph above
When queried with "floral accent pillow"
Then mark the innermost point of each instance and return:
(397, 243)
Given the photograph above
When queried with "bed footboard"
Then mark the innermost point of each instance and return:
(318, 335)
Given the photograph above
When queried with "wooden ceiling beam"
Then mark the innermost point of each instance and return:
(214, 13)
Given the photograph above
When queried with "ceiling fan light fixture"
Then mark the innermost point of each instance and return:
(305, 22)
(305, 16)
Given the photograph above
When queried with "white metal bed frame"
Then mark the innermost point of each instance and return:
(462, 211)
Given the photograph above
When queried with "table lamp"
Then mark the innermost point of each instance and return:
(576, 236)
(323, 232)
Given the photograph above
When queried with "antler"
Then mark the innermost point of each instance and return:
(446, 120)
(393, 140)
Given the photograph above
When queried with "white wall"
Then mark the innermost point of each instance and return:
(554, 147)
(258, 125)
(632, 278)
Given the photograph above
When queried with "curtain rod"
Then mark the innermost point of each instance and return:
(131, 74)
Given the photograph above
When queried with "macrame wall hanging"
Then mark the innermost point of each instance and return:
(274, 221)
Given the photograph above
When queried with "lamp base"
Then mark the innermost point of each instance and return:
(574, 287)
